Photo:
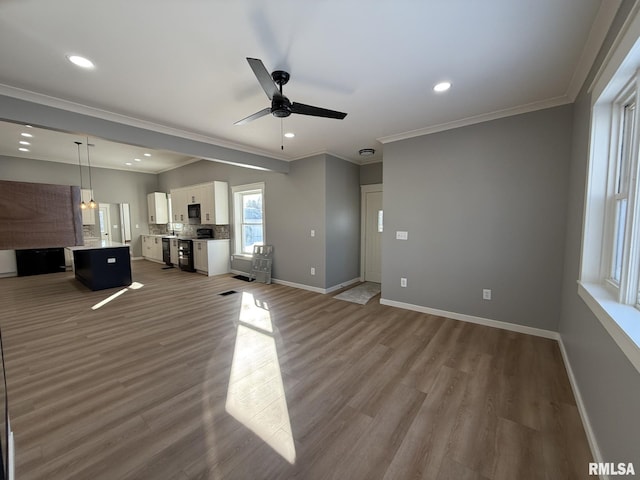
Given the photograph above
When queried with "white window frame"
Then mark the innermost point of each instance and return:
(615, 304)
(237, 192)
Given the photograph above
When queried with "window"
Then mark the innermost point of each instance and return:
(610, 259)
(622, 163)
(248, 214)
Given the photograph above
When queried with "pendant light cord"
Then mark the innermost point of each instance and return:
(79, 164)
(89, 163)
(281, 132)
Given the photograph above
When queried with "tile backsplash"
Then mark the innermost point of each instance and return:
(186, 230)
(92, 231)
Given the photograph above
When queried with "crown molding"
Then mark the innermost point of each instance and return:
(597, 34)
(485, 117)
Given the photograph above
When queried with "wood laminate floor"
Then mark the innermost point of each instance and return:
(173, 381)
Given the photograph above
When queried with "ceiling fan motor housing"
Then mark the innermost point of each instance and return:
(280, 106)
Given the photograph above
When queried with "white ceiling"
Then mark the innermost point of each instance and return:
(182, 65)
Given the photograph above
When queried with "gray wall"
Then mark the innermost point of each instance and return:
(296, 203)
(484, 206)
(342, 221)
(371, 173)
(609, 384)
(109, 186)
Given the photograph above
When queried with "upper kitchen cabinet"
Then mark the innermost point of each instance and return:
(214, 206)
(158, 208)
(195, 194)
(213, 198)
(179, 205)
(88, 214)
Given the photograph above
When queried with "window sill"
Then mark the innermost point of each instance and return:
(621, 321)
(242, 256)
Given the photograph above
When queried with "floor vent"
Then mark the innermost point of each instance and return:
(228, 292)
(243, 277)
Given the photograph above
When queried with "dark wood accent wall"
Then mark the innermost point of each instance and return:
(39, 215)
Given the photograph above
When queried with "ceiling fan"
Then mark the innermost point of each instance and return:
(281, 106)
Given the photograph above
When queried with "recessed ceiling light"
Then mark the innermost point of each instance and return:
(80, 61)
(128, 164)
(442, 87)
(23, 142)
(289, 134)
(28, 126)
(28, 135)
(147, 154)
(22, 149)
(137, 160)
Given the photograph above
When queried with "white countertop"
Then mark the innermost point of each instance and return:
(95, 244)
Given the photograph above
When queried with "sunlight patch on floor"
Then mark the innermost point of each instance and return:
(133, 286)
(256, 394)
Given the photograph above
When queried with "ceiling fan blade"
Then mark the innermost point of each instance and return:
(263, 76)
(303, 109)
(251, 118)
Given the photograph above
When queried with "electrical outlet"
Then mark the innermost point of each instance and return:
(313, 271)
(403, 282)
(313, 233)
(401, 235)
(486, 294)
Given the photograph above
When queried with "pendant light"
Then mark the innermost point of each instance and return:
(83, 205)
(92, 203)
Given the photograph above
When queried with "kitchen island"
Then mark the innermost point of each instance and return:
(102, 264)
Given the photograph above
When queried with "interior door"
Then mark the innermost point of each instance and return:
(105, 221)
(373, 237)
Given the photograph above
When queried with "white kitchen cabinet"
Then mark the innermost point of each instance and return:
(158, 208)
(8, 266)
(211, 257)
(200, 256)
(152, 248)
(68, 260)
(195, 194)
(88, 214)
(179, 205)
(173, 244)
(214, 207)
(213, 198)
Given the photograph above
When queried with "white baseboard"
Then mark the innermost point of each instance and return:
(514, 327)
(342, 285)
(586, 423)
(302, 286)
